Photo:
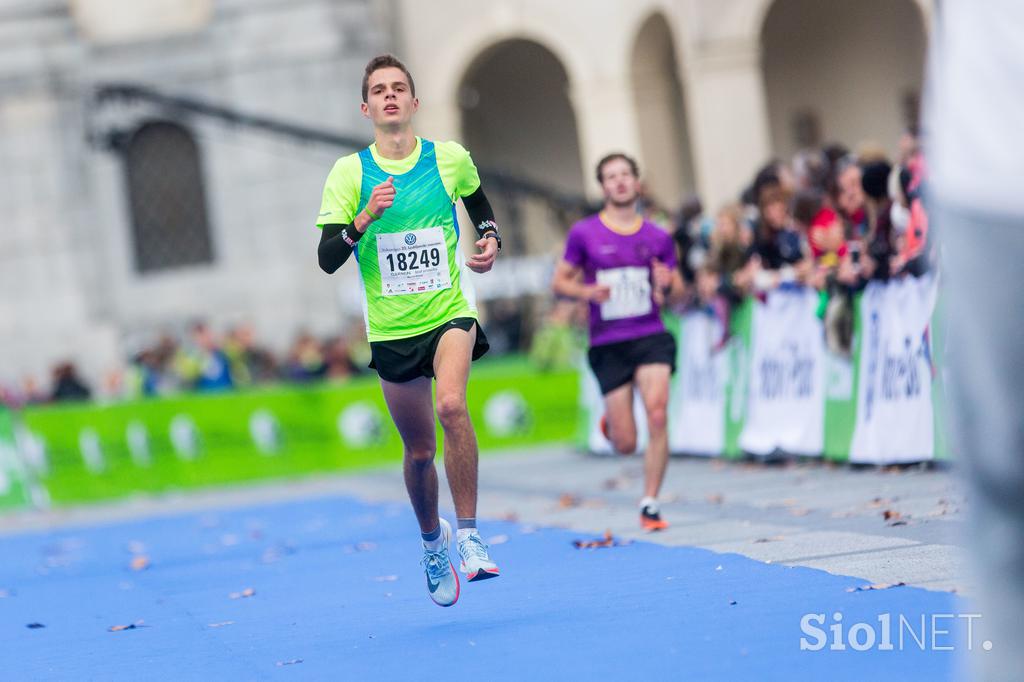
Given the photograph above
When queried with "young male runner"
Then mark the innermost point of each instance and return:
(626, 268)
(392, 205)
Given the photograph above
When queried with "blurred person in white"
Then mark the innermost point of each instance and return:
(975, 140)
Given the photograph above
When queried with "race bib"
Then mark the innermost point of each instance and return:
(631, 292)
(413, 262)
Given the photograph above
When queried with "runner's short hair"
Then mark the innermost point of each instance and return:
(385, 61)
(612, 157)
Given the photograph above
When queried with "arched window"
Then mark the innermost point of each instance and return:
(170, 227)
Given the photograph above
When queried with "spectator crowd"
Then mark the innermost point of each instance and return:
(203, 361)
(830, 218)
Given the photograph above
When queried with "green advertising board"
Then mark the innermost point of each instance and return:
(13, 491)
(95, 452)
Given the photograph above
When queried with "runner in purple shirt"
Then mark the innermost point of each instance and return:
(626, 269)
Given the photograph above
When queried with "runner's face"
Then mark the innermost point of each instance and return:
(389, 101)
(620, 186)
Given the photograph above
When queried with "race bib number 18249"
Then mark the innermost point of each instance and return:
(413, 262)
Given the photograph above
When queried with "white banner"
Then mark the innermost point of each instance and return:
(894, 395)
(697, 406)
(786, 397)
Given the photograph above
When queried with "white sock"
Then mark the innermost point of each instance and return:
(463, 533)
(651, 503)
(437, 543)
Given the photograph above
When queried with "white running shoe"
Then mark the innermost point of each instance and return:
(476, 564)
(442, 581)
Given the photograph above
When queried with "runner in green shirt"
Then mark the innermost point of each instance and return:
(392, 206)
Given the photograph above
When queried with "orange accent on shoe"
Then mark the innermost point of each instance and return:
(652, 524)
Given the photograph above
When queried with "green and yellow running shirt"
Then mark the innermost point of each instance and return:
(412, 270)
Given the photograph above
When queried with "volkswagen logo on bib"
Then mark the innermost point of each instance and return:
(410, 239)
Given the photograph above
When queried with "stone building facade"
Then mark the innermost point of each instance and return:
(702, 91)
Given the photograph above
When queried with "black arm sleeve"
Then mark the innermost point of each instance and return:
(334, 250)
(480, 211)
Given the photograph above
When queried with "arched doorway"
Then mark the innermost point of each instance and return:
(516, 114)
(517, 120)
(849, 72)
(661, 114)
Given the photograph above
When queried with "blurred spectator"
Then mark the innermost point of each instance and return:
(558, 343)
(505, 325)
(688, 236)
(726, 278)
(67, 385)
(250, 363)
(203, 364)
(305, 359)
(652, 211)
(339, 359)
(826, 239)
(778, 244)
(878, 239)
(810, 171)
(358, 345)
(28, 393)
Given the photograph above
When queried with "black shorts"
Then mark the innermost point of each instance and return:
(407, 359)
(614, 364)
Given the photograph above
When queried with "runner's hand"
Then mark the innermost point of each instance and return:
(483, 261)
(598, 293)
(661, 276)
(382, 197)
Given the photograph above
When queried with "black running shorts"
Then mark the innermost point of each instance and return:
(407, 359)
(614, 364)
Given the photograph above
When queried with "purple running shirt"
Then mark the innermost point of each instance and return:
(622, 261)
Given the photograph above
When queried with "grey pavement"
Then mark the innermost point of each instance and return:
(804, 513)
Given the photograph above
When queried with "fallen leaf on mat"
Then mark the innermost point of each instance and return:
(774, 538)
(140, 562)
(568, 500)
(247, 592)
(607, 541)
(35, 626)
(497, 540)
(876, 586)
(732, 602)
(716, 498)
(291, 662)
(890, 515)
(130, 626)
(616, 483)
(221, 624)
